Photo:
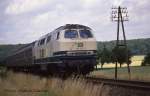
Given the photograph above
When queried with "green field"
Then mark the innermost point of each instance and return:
(137, 73)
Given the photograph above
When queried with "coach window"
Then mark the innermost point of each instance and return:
(48, 39)
(71, 34)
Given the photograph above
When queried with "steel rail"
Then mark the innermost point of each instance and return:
(141, 85)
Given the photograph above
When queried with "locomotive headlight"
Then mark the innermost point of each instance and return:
(90, 52)
(71, 53)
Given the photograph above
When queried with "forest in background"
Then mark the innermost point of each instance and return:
(136, 46)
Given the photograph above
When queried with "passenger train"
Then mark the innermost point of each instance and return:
(68, 49)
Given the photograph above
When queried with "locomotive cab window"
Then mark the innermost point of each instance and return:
(85, 34)
(71, 34)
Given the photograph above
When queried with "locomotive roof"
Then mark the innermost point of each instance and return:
(67, 26)
(73, 26)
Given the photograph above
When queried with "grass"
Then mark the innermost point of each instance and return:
(137, 73)
(14, 82)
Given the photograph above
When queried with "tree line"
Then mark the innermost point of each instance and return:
(120, 55)
(136, 46)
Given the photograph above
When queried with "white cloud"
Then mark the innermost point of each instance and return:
(89, 3)
(52, 19)
(118, 2)
(21, 6)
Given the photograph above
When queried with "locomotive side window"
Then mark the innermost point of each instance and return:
(57, 36)
(71, 34)
(85, 34)
(48, 39)
(42, 41)
(38, 43)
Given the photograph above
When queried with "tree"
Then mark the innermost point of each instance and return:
(98, 56)
(120, 54)
(146, 60)
(104, 56)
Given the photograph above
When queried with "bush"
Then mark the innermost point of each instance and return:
(3, 72)
(146, 60)
(120, 54)
(104, 56)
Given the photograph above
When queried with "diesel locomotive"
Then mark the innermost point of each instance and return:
(68, 49)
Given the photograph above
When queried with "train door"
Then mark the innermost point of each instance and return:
(54, 42)
(41, 48)
(49, 46)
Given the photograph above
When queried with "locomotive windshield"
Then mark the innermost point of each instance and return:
(85, 34)
(71, 34)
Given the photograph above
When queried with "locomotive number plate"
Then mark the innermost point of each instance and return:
(80, 44)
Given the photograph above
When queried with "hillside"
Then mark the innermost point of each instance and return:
(6, 50)
(137, 47)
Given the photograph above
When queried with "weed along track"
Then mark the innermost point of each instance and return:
(21, 83)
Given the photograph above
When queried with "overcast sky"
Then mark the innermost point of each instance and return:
(23, 21)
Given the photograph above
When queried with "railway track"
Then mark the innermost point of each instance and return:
(129, 84)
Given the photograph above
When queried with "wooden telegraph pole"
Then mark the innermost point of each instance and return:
(120, 15)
